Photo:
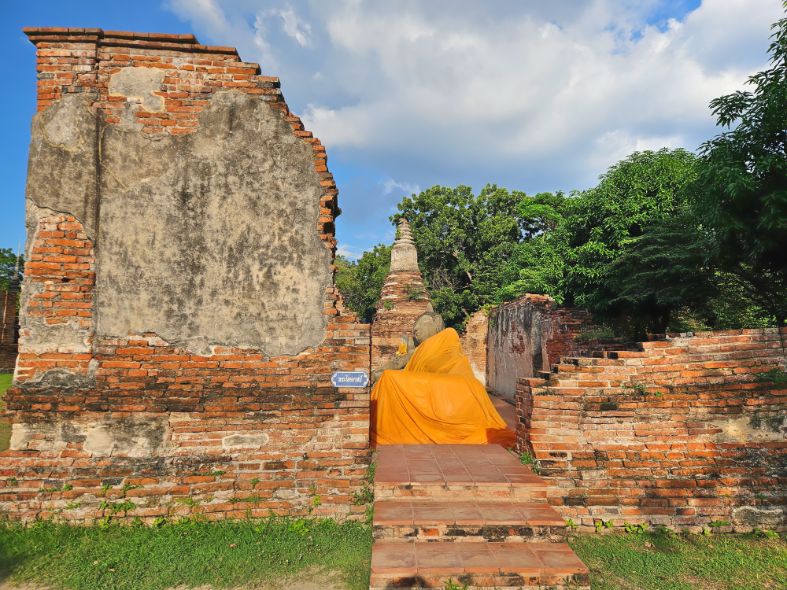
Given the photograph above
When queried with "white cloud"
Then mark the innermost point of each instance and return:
(343, 250)
(390, 185)
(527, 94)
(336, 124)
(294, 26)
(206, 15)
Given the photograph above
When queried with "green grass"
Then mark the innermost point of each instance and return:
(5, 426)
(234, 554)
(663, 561)
(223, 554)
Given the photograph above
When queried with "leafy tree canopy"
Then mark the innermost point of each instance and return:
(361, 281)
(741, 193)
(599, 223)
(464, 241)
(8, 268)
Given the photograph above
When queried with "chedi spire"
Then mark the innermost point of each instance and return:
(404, 256)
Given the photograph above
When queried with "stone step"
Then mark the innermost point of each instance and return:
(465, 521)
(454, 473)
(476, 564)
(527, 490)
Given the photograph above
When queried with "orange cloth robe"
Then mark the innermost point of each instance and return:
(435, 399)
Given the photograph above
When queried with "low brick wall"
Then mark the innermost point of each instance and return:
(687, 432)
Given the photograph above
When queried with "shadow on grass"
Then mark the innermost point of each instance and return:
(9, 563)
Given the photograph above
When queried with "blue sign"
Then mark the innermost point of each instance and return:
(350, 379)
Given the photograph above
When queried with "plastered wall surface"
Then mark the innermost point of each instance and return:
(528, 335)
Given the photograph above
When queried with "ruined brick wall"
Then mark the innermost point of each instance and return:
(687, 431)
(179, 320)
(403, 300)
(8, 328)
(474, 341)
(9, 315)
(8, 354)
(529, 335)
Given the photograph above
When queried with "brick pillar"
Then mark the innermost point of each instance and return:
(403, 299)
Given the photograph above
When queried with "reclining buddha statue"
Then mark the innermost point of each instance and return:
(435, 398)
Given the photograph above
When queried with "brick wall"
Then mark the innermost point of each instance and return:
(8, 354)
(8, 329)
(684, 432)
(474, 343)
(9, 318)
(138, 426)
(529, 334)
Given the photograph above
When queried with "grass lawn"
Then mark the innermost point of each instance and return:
(283, 553)
(659, 561)
(225, 554)
(5, 427)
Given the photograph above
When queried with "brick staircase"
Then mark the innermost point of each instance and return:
(469, 515)
(707, 358)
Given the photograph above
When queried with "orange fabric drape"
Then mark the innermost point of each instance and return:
(435, 399)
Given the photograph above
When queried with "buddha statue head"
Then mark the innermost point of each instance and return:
(427, 325)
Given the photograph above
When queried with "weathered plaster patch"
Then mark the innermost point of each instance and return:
(61, 172)
(210, 238)
(63, 378)
(243, 441)
(36, 436)
(137, 436)
(747, 429)
(138, 85)
(758, 516)
(205, 239)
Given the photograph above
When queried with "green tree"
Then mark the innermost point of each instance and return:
(464, 242)
(361, 281)
(660, 272)
(741, 193)
(536, 264)
(10, 270)
(600, 223)
(541, 213)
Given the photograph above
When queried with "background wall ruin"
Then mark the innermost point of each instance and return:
(529, 334)
(179, 322)
(474, 343)
(685, 432)
(9, 316)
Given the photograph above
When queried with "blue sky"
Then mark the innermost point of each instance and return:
(406, 94)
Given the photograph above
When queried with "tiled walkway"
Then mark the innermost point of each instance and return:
(470, 514)
(506, 409)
